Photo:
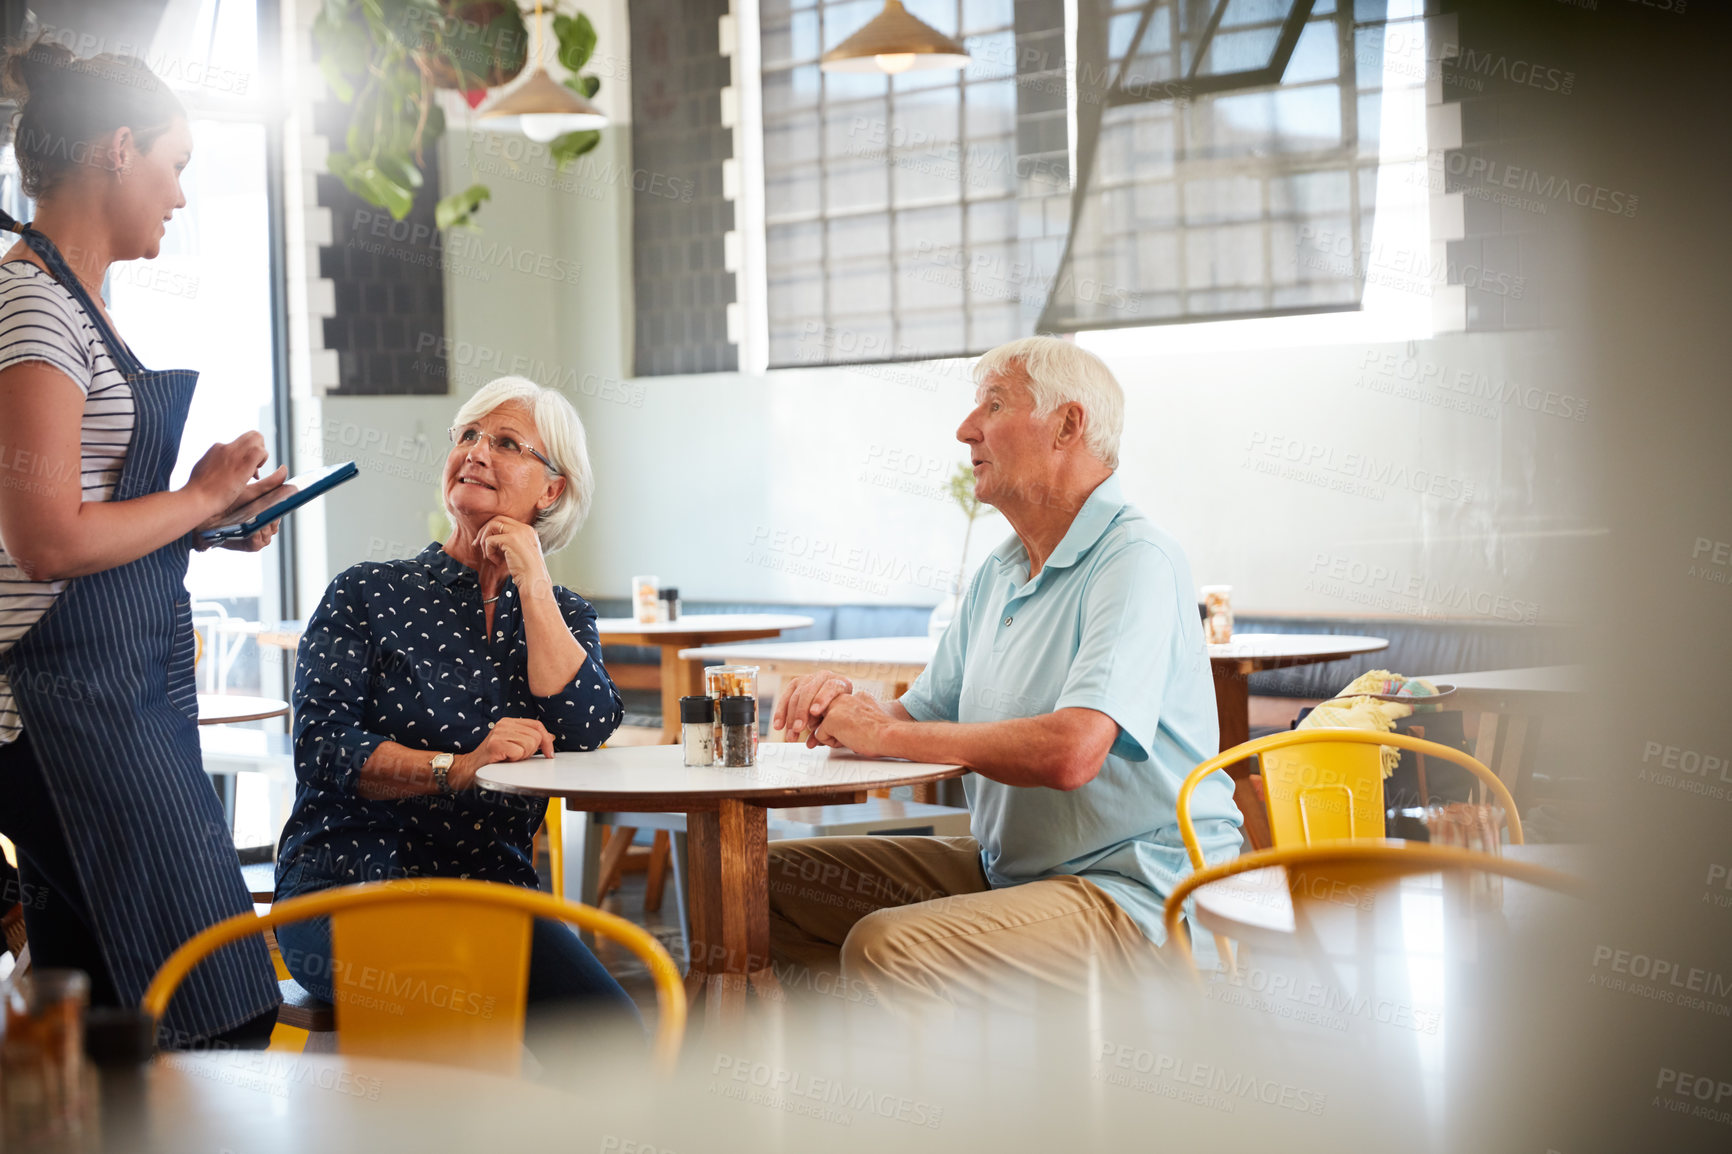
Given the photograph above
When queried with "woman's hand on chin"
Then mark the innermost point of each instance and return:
(508, 541)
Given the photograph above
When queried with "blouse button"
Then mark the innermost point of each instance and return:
(1008, 620)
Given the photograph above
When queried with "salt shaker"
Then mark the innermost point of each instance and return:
(697, 729)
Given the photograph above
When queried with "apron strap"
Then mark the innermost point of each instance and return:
(62, 272)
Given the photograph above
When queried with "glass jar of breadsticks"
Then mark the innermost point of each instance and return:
(721, 681)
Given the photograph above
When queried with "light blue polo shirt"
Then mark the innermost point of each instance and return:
(1111, 624)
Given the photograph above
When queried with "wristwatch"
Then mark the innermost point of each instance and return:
(442, 772)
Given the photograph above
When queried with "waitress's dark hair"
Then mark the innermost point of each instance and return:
(66, 104)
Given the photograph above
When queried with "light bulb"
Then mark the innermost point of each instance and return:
(546, 127)
(894, 62)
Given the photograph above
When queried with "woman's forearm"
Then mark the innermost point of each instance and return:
(101, 534)
(395, 771)
(555, 656)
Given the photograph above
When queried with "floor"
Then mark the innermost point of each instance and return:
(664, 925)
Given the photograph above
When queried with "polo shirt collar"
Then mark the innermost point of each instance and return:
(448, 570)
(1092, 520)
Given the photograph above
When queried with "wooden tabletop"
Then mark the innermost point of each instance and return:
(226, 708)
(653, 778)
(1253, 652)
(1512, 690)
(697, 628)
(864, 658)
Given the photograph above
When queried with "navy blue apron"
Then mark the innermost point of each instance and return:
(120, 754)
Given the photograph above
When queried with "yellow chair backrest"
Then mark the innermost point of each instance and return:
(1324, 785)
(1327, 791)
(435, 969)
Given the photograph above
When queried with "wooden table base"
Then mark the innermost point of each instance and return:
(1233, 710)
(728, 848)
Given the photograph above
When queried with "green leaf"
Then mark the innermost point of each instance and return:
(584, 86)
(458, 209)
(399, 170)
(572, 145)
(367, 182)
(576, 40)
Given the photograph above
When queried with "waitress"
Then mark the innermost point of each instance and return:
(102, 788)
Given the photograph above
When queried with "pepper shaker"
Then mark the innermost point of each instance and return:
(739, 731)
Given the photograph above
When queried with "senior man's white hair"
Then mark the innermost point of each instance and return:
(562, 439)
(1058, 373)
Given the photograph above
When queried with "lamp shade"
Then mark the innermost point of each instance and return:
(542, 109)
(895, 41)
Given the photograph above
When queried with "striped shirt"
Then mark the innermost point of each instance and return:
(41, 321)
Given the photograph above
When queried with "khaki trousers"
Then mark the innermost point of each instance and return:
(914, 921)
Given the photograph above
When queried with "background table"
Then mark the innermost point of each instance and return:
(726, 829)
(227, 708)
(1510, 704)
(679, 677)
(685, 678)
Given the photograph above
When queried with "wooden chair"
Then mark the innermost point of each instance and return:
(435, 933)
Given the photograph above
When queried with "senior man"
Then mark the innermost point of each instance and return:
(1074, 682)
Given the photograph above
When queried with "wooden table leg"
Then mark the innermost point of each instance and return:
(679, 679)
(728, 850)
(1233, 713)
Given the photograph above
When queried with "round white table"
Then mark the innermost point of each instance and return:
(727, 834)
(685, 678)
(228, 708)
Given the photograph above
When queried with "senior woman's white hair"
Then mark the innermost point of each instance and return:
(562, 438)
(1058, 373)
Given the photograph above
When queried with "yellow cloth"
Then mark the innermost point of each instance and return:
(1362, 713)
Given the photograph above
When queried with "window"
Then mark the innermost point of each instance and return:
(894, 205)
(1226, 135)
(1213, 142)
(205, 303)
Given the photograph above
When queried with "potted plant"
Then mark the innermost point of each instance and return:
(386, 59)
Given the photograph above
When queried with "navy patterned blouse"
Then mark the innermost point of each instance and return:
(398, 651)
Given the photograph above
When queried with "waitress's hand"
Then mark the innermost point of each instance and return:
(223, 474)
(258, 540)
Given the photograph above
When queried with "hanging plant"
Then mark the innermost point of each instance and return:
(386, 60)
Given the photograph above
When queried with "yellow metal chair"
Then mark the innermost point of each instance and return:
(1371, 859)
(1327, 784)
(1323, 785)
(435, 969)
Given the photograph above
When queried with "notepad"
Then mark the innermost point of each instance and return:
(284, 499)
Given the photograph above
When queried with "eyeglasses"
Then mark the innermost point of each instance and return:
(469, 435)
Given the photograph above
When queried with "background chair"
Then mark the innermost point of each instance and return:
(391, 941)
(1327, 784)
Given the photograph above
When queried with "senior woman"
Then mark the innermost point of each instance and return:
(413, 674)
